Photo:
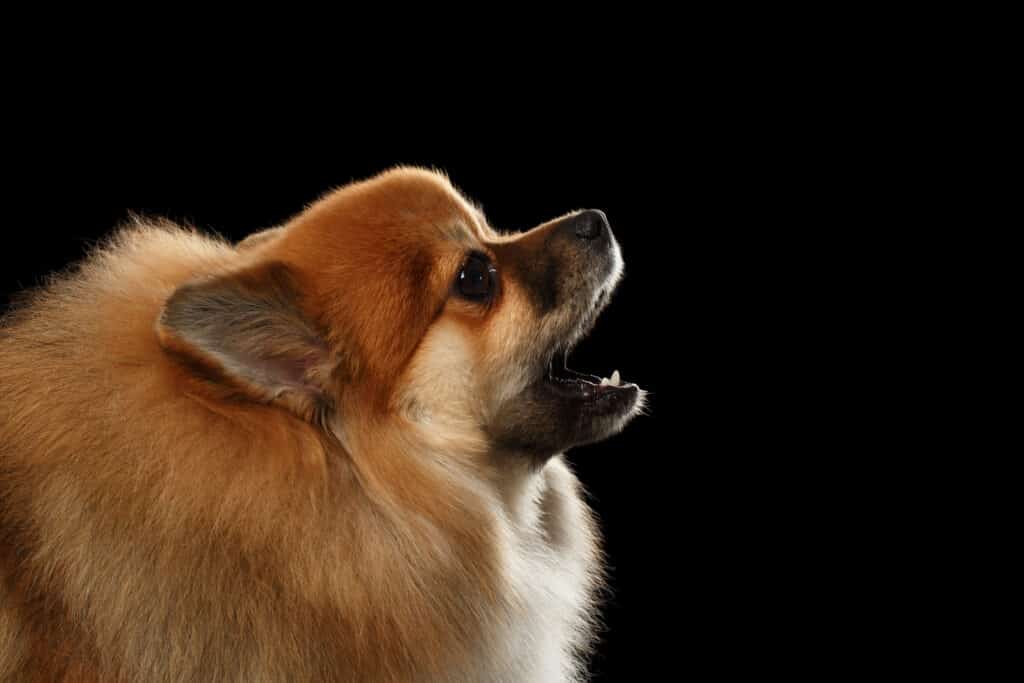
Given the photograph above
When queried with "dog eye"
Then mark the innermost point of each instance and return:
(476, 280)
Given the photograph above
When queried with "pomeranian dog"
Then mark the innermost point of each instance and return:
(332, 452)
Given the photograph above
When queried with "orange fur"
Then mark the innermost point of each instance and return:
(164, 517)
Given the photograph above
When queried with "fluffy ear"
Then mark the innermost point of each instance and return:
(246, 330)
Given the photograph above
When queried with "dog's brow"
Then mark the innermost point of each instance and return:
(483, 229)
(457, 231)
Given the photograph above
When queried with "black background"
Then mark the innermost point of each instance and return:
(233, 181)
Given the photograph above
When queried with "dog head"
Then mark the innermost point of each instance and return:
(393, 298)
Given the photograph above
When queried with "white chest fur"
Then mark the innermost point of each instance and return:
(553, 564)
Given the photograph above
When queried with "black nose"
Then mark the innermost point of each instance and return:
(590, 224)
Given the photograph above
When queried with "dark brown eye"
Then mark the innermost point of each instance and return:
(476, 280)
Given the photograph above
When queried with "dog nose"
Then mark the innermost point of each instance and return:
(590, 224)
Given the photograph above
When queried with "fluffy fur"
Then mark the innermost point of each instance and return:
(271, 461)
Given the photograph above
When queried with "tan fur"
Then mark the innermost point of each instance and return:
(166, 514)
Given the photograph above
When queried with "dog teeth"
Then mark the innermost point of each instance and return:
(613, 382)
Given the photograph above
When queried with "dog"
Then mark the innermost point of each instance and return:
(331, 452)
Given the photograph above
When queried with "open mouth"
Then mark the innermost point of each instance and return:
(563, 408)
(601, 395)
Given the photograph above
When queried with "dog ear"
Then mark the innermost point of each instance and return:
(246, 330)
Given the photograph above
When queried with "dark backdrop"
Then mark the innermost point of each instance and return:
(66, 196)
